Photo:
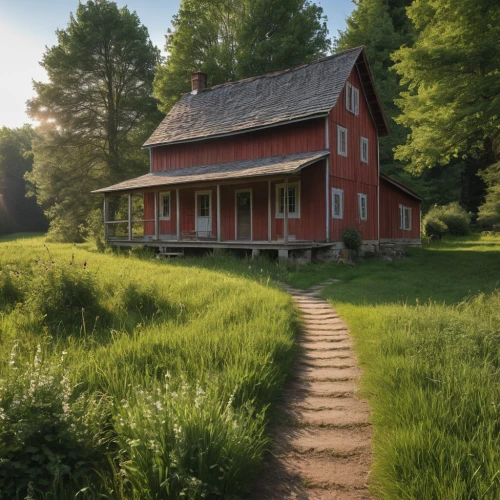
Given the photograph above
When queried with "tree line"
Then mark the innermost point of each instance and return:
(434, 63)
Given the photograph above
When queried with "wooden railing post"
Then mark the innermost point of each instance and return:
(285, 218)
(157, 219)
(130, 234)
(105, 212)
(269, 219)
(218, 214)
(178, 213)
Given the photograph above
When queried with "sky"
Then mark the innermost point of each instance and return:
(28, 26)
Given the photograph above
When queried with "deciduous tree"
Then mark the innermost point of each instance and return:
(95, 110)
(233, 39)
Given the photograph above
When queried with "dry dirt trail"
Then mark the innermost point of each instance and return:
(322, 434)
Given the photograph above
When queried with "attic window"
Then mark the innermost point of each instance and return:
(352, 98)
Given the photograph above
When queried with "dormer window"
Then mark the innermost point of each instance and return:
(352, 98)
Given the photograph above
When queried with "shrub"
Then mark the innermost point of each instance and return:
(10, 289)
(448, 219)
(434, 227)
(66, 297)
(352, 238)
(50, 441)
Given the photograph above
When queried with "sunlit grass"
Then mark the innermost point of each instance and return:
(185, 360)
(427, 332)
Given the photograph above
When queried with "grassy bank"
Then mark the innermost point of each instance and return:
(134, 378)
(427, 331)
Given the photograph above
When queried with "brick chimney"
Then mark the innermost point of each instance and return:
(198, 81)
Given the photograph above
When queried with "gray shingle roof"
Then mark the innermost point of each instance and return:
(272, 165)
(304, 91)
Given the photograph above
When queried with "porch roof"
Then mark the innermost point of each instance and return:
(258, 167)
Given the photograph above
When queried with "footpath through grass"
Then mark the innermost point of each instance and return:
(135, 378)
(427, 332)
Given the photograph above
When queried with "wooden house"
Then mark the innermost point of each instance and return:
(284, 161)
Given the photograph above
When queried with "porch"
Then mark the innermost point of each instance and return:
(263, 211)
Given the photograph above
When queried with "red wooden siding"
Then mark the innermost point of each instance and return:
(351, 189)
(349, 173)
(390, 199)
(298, 137)
(310, 226)
(312, 222)
(351, 167)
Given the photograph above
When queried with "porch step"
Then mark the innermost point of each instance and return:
(163, 255)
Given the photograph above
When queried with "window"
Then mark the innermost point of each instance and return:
(352, 99)
(293, 200)
(165, 206)
(363, 206)
(404, 218)
(341, 140)
(337, 203)
(364, 149)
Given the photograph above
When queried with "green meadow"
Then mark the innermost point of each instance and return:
(129, 377)
(122, 376)
(427, 333)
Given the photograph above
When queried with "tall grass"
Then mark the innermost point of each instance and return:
(428, 340)
(155, 378)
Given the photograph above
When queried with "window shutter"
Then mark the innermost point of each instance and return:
(356, 101)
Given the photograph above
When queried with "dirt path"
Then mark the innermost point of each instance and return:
(322, 439)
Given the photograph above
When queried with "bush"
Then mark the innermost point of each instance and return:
(449, 219)
(50, 441)
(434, 227)
(65, 296)
(352, 238)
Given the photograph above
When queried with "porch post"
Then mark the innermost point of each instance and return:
(327, 161)
(327, 208)
(285, 218)
(130, 217)
(218, 213)
(106, 216)
(178, 214)
(157, 220)
(269, 223)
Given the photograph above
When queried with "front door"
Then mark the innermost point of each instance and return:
(203, 214)
(244, 215)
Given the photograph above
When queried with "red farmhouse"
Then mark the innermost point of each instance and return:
(284, 161)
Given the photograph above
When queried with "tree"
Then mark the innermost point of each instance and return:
(452, 72)
(381, 26)
(233, 39)
(279, 34)
(17, 213)
(95, 111)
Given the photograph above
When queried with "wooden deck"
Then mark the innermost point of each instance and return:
(209, 244)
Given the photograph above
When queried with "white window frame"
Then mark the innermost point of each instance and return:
(402, 219)
(340, 130)
(291, 215)
(352, 98)
(163, 195)
(340, 193)
(362, 196)
(363, 141)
